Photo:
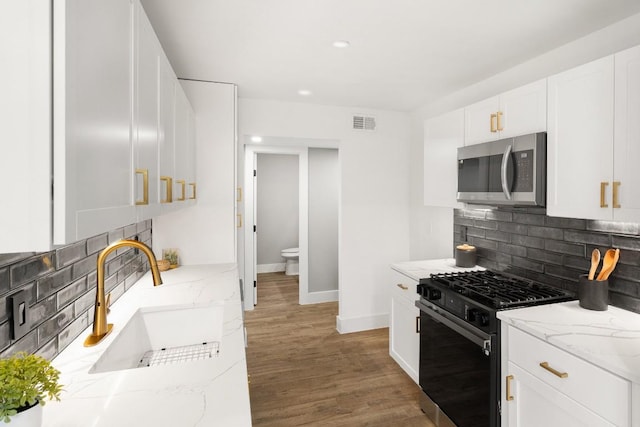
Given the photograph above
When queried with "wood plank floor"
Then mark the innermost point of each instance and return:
(304, 373)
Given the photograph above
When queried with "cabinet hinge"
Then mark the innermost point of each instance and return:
(255, 284)
(255, 228)
(255, 172)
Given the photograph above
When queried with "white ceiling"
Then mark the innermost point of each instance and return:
(403, 54)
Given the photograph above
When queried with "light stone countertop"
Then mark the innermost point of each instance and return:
(423, 269)
(609, 339)
(211, 392)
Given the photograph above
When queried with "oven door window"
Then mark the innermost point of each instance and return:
(455, 373)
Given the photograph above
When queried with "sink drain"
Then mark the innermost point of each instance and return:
(173, 355)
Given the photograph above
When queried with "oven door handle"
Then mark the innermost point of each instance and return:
(476, 339)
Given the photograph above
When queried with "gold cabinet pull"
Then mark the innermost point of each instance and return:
(603, 189)
(145, 186)
(499, 121)
(509, 396)
(182, 189)
(193, 190)
(239, 225)
(417, 324)
(545, 365)
(616, 202)
(401, 286)
(169, 189)
(494, 118)
(239, 196)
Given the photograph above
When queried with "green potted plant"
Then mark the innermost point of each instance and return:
(25, 381)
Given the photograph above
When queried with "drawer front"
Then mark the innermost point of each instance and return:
(603, 392)
(403, 287)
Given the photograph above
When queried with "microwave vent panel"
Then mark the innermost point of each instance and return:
(364, 122)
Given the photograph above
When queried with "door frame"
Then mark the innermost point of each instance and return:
(250, 160)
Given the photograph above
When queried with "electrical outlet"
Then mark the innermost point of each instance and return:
(19, 314)
(463, 233)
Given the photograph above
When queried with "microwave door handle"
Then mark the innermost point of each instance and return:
(506, 157)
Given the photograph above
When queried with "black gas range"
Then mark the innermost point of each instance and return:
(460, 341)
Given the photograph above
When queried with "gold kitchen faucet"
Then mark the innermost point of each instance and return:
(100, 327)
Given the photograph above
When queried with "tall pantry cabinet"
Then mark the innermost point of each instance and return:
(83, 115)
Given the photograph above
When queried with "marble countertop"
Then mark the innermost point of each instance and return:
(421, 269)
(200, 393)
(609, 339)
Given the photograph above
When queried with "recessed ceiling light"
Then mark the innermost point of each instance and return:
(256, 139)
(341, 44)
(304, 92)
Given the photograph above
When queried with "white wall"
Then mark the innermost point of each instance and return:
(324, 210)
(277, 207)
(432, 228)
(205, 233)
(374, 202)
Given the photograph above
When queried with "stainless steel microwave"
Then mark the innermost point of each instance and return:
(510, 171)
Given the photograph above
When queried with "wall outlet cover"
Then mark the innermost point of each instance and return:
(19, 314)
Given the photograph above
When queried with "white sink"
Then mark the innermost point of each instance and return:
(177, 329)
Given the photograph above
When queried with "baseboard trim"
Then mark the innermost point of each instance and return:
(363, 323)
(270, 268)
(319, 297)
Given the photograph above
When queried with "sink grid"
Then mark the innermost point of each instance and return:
(173, 355)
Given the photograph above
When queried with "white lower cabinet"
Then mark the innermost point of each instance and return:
(404, 337)
(543, 385)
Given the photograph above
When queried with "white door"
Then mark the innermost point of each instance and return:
(626, 143)
(523, 110)
(580, 141)
(480, 121)
(255, 229)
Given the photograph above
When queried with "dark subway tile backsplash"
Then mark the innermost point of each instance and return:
(555, 251)
(61, 288)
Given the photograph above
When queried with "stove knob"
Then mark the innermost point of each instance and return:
(472, 315)
(433, 294)
(484, 319)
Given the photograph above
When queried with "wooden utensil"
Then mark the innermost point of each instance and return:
(595, 260)
(609, 263)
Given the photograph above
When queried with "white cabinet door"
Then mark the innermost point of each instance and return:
(184, 148)
(442, 136)
(404, 338)
(480, 122)
(580, 140)
(168, 83)
(626, 143)
(93, 174)
(523, 110)
(25, 123)
(536, 404)
(146, 117)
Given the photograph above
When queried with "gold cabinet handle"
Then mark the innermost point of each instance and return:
(239, 220)
(169, 186)
(417, 324)
(616, 202)
(182, 187)
(239, 195)
(193, 190)
(145, 186)
(509, 396)
(401, 286)
(499, 121)
(603, 189)
(494, 118)
(545, 365)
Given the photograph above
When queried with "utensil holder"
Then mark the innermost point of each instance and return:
(593, 294)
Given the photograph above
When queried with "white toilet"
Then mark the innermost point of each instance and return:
(291, 267)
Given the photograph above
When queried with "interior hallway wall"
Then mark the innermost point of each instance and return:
(324, 207)
(277, 207)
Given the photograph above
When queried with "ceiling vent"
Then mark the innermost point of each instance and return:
(364, 122)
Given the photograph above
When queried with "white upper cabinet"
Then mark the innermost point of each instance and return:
(517, 112)
(92, 110)
(146, 118)
(625, 200)
(25, 120)
(442, 136)
(81, 112)
(168, 84)
(594, 140)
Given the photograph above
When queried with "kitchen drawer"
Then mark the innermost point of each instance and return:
(403, 287)
(602, 392)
